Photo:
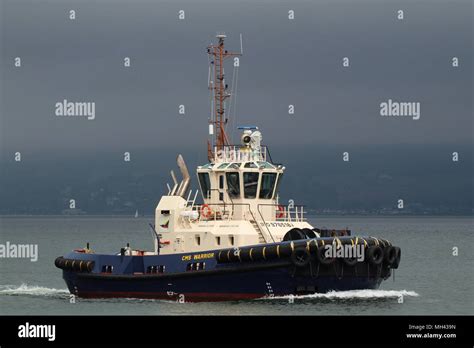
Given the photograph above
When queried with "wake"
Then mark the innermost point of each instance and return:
(40, 291)
(350, 295)
(32, 290)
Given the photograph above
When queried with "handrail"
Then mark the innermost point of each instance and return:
(230, 207)
(226, 204)
(287, 211)
(264, 223)
(270, 155)
(232, 213)
(235, 153)
(258, 226)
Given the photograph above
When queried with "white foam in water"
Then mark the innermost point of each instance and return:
(351, 294)
(31, 290)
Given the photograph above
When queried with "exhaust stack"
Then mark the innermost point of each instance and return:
(184, 185)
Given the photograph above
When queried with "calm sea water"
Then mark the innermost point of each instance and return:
(431, 280)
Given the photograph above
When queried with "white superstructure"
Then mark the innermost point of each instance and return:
(239, 186)
(239, 189)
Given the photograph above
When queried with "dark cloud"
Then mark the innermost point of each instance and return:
(285, 62)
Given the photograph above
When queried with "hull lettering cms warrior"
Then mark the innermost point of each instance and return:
(239, 242)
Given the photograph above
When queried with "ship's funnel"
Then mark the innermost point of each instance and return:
(184, 185)
(175, 186)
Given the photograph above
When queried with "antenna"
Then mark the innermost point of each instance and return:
(219, 93)
(209, 77)
(241, 46)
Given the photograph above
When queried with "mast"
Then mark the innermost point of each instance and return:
(219, 94)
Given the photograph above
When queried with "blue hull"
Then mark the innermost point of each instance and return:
(130, 277)
(216, 287)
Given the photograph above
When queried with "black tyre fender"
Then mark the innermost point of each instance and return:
(309, 233)
(294, 234)
(300, 257)
(390, 255)
(321, 256)
(58, 262)
(90, 266)
(374, 255)
(398, 253)
(350, 261)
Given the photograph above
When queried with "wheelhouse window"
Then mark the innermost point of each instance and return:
(250, 184)
(205, 184)
(233, 184)
(267, 185)
(234, 166)
(207, 166)
(277, 188)
(221, 181)
(250, 165)
(221, 187)
(265, 165)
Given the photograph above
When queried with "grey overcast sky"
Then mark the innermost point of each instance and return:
(285, 62)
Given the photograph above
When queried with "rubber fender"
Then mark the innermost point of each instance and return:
(74, 265)
(271, 252)
(350, 261)
(234, 255)
(398, 257)
(321, 256)
(294, 234)
(286, 249)
(374, 255)
(257, 253)
(309, 233)
(300, 257)
(390, 255)
(90, 266)
(245, 255)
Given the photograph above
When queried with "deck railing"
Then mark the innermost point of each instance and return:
(239, 153)
(226, 211)
(286, 213)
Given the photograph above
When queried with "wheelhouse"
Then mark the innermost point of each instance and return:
(240, 181)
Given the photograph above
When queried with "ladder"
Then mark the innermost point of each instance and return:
(191, 202)
(261, 238)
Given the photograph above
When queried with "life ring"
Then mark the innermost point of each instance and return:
(280, 212)
(206, 211)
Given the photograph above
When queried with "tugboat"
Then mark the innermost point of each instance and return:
(240, 242)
